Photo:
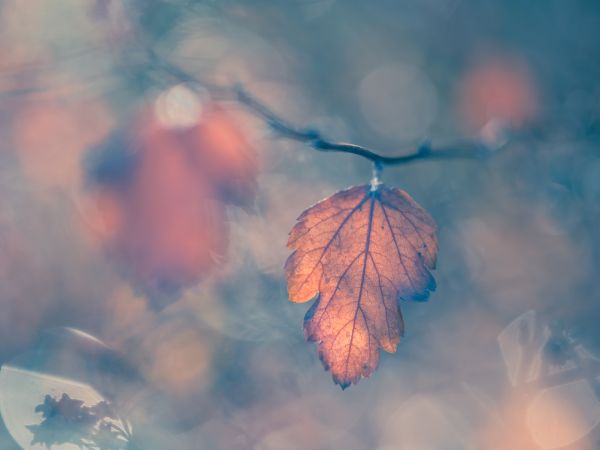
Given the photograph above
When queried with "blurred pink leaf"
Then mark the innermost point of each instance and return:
(360, 251)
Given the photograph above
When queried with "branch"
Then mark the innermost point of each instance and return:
(424, 151)
(476, 149)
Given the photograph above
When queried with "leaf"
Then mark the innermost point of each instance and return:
(160, 196)
(360, 251)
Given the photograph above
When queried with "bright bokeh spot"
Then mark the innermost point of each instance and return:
(563, 414)
(178, 107)
(498, 89)
(398, 101)
(179, 359)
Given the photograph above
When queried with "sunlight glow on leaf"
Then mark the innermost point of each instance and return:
(360, 251)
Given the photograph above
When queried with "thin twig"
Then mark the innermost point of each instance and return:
(314, 138)
(476, 149)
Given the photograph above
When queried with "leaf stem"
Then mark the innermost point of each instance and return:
(376, 180)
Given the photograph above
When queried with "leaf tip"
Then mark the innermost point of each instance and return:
(344, 382)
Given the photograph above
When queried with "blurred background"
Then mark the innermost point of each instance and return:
(144, 217)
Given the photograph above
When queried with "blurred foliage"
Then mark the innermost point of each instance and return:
(224, 362)
(68, 421)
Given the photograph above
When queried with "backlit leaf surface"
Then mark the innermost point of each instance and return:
(359, 252)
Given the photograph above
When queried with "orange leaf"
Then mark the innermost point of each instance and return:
(360, 251)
